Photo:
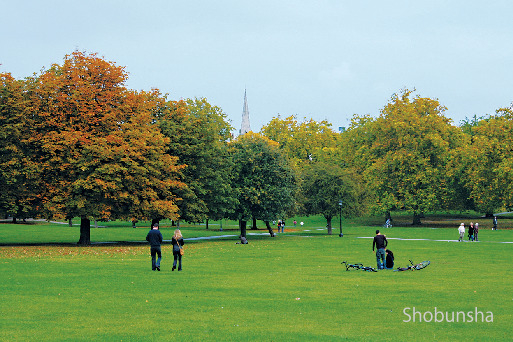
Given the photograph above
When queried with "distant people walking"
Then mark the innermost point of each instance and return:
(177, 242)
(471, 232)
(380, 242)
(476, 230)
(154, 237)
(282, 225)
(494, 223)
(461, 230)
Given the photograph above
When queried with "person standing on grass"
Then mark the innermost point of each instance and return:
(471, 232)
(380, 242)
(494, 223)
(177, 242)
(476, 230)
(154, 237)
(461, 230)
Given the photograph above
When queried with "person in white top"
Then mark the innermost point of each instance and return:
(461, 230)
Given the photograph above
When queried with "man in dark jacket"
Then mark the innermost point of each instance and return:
(380, 242)
(154, 237)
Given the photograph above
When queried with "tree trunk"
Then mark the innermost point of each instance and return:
(242, 225)
(254, 226)
(206, 224)
(14, 219)
(328, 220)
(269, 228)
(416, 219)
(133, 223)
(85, 231)
(70, 222)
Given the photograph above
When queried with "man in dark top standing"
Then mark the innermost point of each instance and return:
(154, 237)
(380, 242)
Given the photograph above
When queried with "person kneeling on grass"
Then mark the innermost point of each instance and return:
(389, 260)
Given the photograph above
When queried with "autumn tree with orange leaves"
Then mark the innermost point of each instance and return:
(99, 153)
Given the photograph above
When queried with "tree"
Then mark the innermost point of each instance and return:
(302, 141)
(17, 175)
(405, 155)
(264, 181)
(99, 151)
(198, 135)
(488, 163)
(325, 185)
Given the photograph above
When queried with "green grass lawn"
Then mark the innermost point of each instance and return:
(288, 288)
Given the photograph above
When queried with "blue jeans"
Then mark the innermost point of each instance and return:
(380, 258)
(154, 251)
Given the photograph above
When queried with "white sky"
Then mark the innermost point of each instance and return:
(320, 59)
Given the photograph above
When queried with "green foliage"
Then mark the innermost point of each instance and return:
(198, 134)
(324, 186)
(302, 141)
(405, 154)
(264, 180)
(488, 161)
(17, 174)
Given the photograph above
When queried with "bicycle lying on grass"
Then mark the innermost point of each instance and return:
(413, 267)
(359, 267)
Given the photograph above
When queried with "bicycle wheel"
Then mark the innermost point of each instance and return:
(422, 265)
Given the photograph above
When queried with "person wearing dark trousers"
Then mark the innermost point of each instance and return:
(380, 242)
(154, 237)
(471, 232)
(177, 242)
(494, 223)
(476, 230)
(389, 263)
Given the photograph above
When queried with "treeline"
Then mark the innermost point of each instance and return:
(75, 142)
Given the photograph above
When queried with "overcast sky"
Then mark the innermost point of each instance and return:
(324, 59)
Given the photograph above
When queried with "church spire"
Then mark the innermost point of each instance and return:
(245, 127)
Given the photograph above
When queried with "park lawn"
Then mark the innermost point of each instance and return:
(291, 287)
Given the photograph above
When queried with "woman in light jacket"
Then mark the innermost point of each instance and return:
(177, 242)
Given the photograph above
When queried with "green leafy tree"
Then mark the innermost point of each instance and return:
(198, 135)
(302, 141)
(99, 152)
(406, 155)
(325, 185)
(264, 180)
(488, 163)
(18, 178)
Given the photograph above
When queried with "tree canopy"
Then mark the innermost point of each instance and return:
(98, 151)
(198, 134)
(302, 141)
(404, 154)
(264, 181)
